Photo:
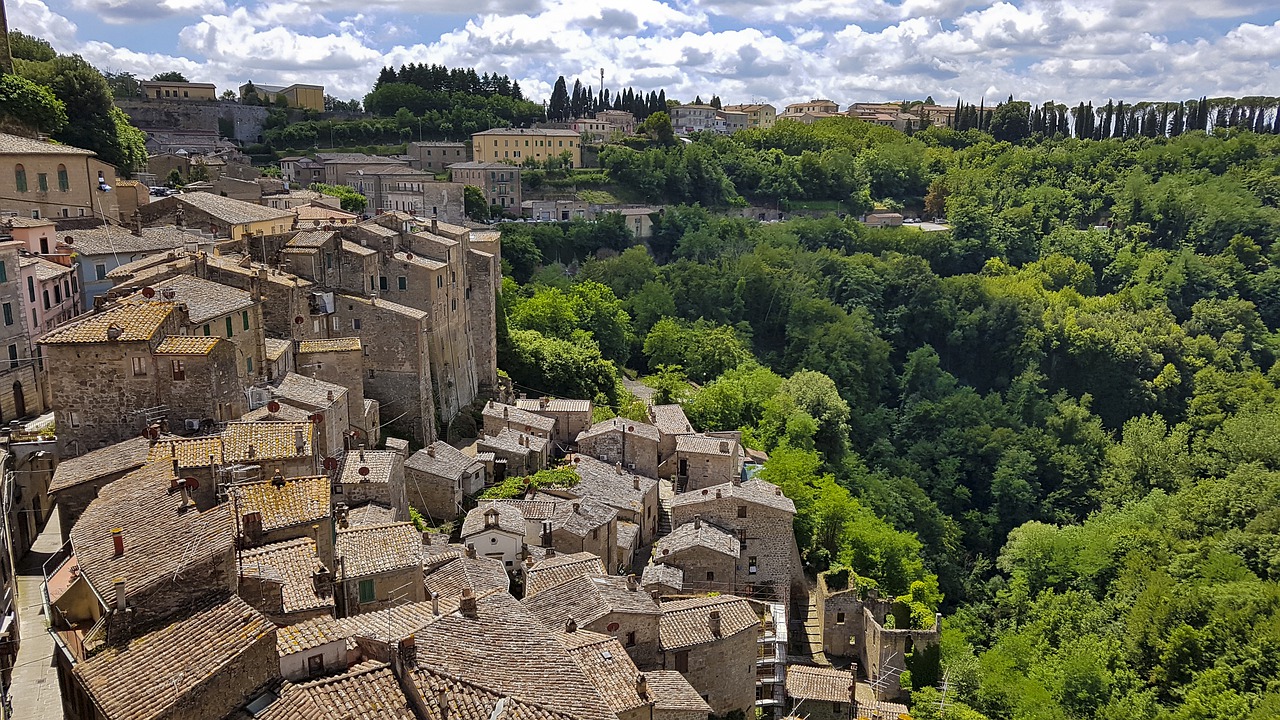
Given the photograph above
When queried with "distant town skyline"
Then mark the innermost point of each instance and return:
(743, 51)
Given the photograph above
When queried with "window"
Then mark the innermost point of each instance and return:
(631, 640)
(752, 565)
(42, 181)
(837, 708)
(75, 419)
(75, 284)
(453, 304)
(839, 618)
(244, 315)
(20, 177)
(179, 370)
(248, 365)
(57, 294)
(13, 356)
(206, 330)
(4, 272)
(440, 281)
(711, 576)
(742, 539)
(402, 283)
(99, 272)
(742, 511)
(31, 288)
(63, 183)
(682, 661)
(355, 323)
(139, 366)
(371, 283)
(229, 328)
(8, 313)
(366, 591)
(45, 292)
(595, 533)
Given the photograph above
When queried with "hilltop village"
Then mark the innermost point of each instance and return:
(291, 481)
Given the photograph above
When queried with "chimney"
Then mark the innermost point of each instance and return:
(426, 537)
(135, 224)
(617, 467)
(551, 552)
(251, 522)
(471, 551)
(362, 452)
(697, 522)
(506, 413)
(252, 451)
(570, 625)
(175, 466)
(635, 480)
(442, 702)
(299, 439)
(435, 226)
(121, 602)
(186, 492)
(576, 508)
(642, 687)
(631, 583)
(431, 450)
(435, 603)
(117, 538)
(408, 644)
(114, 331)
(278, 479)
(714, 618)
(717, 494)
(468, 604)
(546, 533)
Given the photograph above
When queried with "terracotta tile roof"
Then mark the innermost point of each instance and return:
(370, 513)
(451, 698)
(109, 239)
(276, 348)
(559, 569)
(399, 621)
(190, 452)
(121, 457)
(477, 574)
(308, 213)
(442, 460)
(535, 509)
(752, 491)
(299, 501)
(686, 623)
(269, 440)
(286, 413)
(137, 322)
(187, 345)
(670, 419)
(43, 269)
(511, 441)
(589, 515)
(160, 539)
(416, 258)
(310, 238)
(357, 249)
(605, 663)
(672, 692)
(510, 652)
(587, 599)
(26, 222)
(329, 345)
(293, 563)
(818, 683)
(381, 464)
(700, 534)
(18, 145)
(662, 574)
(554, 405)
(150, 675)
(619, 425)
(516, 417)
(307, 391)
(205, 299)
(232, 211)
(368, 693)
(375, 549)
(628, 535)
(705, 445)
(611, 485)
(509, 518)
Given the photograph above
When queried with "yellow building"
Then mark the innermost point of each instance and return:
(45, 180)
(159, 90)
(758, 115)
(512, 146)
(306, 97)
(813, 107)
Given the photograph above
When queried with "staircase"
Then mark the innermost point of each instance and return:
(665, 495)
(806, 636)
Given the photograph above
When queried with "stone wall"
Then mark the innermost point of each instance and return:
(840, 619)
(392, 588)
(437, 497)
(723, 671)
(704, 570)
(212, 387)
(248, 121)
(233, 685)
(625, 447)
(638, 634)
(484, 277)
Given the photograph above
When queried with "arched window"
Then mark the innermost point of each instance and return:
(20, 177)
(64, 184)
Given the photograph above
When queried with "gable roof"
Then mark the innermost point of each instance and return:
(232, 211)
(307, 390)
(705, 445)
(686, 623)
(109, 239)
(517, 418)
(121, 457)
(620, 425)
(509, 518)
(605, 663)
(818, 683)
(138, 322)
(751, 491)
(670, 419)
(293, 564)
(149, 676)
(442, 460)
(610, 484)
(697, 534)
(447, 697)
(18, 145)
(558, 569)
(672, 692)
(205, 299)
(375, 549)
(380, 465)
(449, 576)
(296, 501)
(369, 691)
(588, 598)
(663, 574)
(187, 345)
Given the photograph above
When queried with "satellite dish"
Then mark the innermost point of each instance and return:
(169, 293)
(364, 471)
(148, 292)
(317, 418)
(330, 463)
(192, 483)
(273, 406)
(297, 320)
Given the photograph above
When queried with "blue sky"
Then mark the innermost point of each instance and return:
(744, 50)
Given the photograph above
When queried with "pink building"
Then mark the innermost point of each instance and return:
(51, 292)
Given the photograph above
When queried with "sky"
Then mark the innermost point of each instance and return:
(776, 51)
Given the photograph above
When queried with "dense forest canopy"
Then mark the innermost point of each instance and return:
(1057, 421)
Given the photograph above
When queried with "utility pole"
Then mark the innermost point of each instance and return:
(6, 54)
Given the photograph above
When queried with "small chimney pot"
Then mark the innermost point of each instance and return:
(117, 539)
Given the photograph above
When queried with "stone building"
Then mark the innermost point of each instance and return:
(53, 293)
(439, 477)
(21, 394)
(455, 570)
(113, 373)
(378, 566)
(707, 556)
(327, 405)
(373, 476)
(496, 530)
(282, 508)
(761, 517)
(48, 180)
(701, 461)
(499, 417)
(608, 604)
(661, 579)
(711, 641)
(499, 182)
(435, 156)
(235, 662)
(634, 444)
(572, 417)
(822, 693)
(519, 453)
(554, 569)
(217, 310)
(633, 496)
(101, 250)
(852, 625)
(582, 525)
(222, 217)
(286, 581)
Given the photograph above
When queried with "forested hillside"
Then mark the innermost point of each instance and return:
(1058, 422)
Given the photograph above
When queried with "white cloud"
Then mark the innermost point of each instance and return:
(130, 11)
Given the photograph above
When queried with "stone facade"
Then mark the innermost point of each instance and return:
(439, 477)
(633, 444)
(434, 157)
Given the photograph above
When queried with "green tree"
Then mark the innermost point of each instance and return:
(26, 47)
(170, 76)
(658, 127)
(26, 106)
(350, 200)
(474, 204)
